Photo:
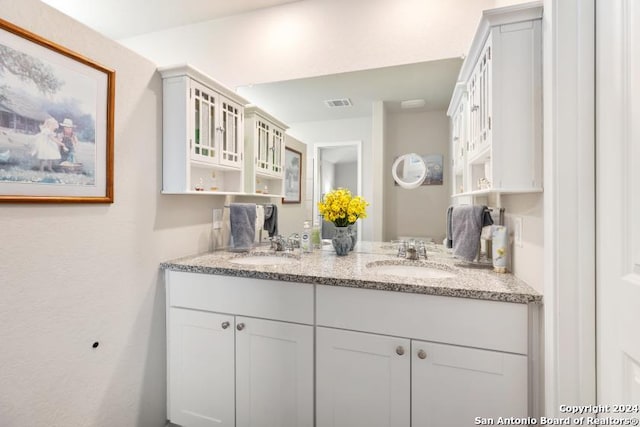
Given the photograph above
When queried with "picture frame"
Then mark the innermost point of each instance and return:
(292, 176)
(56, 122)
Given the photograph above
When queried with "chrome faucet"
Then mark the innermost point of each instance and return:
(278, 243)
(412, 250)
(293, 241)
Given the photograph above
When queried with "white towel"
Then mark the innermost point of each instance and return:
(259, 221)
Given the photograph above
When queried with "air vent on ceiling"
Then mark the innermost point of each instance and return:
(343, 102)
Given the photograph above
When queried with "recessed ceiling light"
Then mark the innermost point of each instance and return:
(413, 103)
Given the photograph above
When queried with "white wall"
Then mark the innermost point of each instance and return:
(327, 176)
(420, 212)
(347, 175)
(311, 38)
(348, 130)
(74, 274)
(527, 259)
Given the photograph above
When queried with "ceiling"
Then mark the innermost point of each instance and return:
(339, 154)
(302, 100)
(119, 19)
(292, 101)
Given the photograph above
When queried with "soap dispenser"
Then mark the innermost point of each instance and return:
(305, 238)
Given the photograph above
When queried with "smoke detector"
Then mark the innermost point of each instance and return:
(342, 102)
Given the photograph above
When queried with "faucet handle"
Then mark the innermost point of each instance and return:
(402, 249)
(422, 250)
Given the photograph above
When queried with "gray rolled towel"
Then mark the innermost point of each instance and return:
(466, 227)
(271, 219)
(243, 225)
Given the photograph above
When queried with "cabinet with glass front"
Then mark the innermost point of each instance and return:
(203, 134)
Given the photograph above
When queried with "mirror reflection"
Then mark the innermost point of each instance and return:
(409, 171)
(370, 108)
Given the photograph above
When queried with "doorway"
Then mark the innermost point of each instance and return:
(336, 165)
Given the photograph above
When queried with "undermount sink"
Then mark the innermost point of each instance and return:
(412, 271)
(264, 260)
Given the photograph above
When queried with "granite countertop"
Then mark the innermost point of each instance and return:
(324, 267)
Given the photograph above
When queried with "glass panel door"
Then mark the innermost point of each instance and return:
(204, 123)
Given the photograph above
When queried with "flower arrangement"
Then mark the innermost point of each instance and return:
(341, 208)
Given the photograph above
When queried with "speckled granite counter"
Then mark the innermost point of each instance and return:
(323, 267)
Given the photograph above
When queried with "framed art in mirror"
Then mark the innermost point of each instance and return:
(292, 176)
(56, 122)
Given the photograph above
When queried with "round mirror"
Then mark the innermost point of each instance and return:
(409, 170)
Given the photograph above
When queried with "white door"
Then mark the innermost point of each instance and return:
(231, 133)
(618, 202)
(274, 374)
(201, 369)
(362, 380)
(451, 385)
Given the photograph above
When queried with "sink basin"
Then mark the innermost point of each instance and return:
(263, 260)
(412, 271)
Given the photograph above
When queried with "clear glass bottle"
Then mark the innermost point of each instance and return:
(316, 235)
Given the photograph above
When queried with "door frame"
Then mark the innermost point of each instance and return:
(569, 204)
(316, 172)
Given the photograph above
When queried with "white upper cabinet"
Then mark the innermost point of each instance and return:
(264, 142)
(499, 95)
(203, 128)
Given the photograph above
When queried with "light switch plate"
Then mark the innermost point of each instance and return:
(517, 231)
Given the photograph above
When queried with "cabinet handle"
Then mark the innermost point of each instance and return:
(475, 108)
(240, 326)
(422, 354)
(399, 350)
(225, 325)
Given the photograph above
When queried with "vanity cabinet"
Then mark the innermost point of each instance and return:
(235, 369)
(265, 145)
(451, 385)
(362, 379)
(396, 359)
(203, 134)
(501, 80)
(242, 352)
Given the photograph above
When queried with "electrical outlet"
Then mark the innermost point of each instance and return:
(517, 231)
(217, 219)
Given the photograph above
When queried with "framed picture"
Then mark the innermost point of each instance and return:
(292, 175)
(56, 122)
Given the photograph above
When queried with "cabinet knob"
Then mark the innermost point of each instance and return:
(240, 326)
(400, 350)
(225, 325)
(422, 354)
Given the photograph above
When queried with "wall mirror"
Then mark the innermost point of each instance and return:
(409, 171)
(308, 107)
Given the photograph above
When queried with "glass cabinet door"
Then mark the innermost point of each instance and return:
(263, 148)
(203, 126)
(277, 164)
(231, 143)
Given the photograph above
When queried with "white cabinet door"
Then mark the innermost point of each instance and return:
(204, 124)
(452, 385)
(231, 133)
(201, 369)
(362, 380)
(274, 374)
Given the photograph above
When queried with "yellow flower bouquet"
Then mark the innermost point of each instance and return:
(341, 208)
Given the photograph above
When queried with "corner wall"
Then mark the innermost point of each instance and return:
(420, 212)
(71, 275)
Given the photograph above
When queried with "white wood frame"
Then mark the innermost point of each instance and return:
(569, 200)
